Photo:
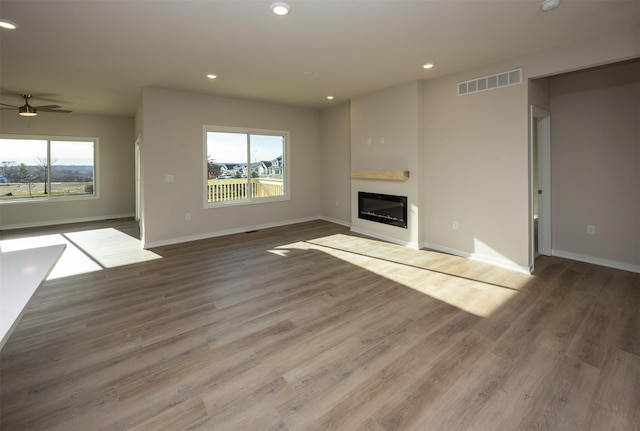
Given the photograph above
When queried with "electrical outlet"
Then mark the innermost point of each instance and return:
(187, 216)
(591, 229)
(456, 224)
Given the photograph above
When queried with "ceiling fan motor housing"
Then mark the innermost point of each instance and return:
(27, 110)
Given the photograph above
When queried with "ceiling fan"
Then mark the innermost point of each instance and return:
(27, 110)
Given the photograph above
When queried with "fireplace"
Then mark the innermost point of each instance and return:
(387, 209)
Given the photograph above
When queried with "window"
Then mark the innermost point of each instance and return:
(245, 166)
(43, 169)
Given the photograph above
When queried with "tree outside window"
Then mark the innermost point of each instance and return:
(46, 168)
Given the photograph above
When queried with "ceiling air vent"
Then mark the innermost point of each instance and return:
(503, 79)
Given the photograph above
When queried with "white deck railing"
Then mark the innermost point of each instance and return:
(234, 189)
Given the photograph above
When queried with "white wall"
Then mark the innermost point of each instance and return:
(539, 93)
(115, 169)
(596, 164)
(335, 160)
(394, 115)
(476, 159)
(476, 171)
(470, 164)
(172, 144)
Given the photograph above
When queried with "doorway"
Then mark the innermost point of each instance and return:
(540, 181)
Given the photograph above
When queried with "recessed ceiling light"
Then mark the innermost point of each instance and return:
(550, 4)
(329, 97)
(211, 76)
(427, 65)
(280, 8)
(308, 73)
(8, 25)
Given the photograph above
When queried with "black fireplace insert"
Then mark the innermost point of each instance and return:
(387, 209)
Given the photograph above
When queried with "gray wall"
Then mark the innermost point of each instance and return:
(595, 151)
(172, 144)
(335, 160)
(115, 169)
(476, 171)
(470, 155)
(477, 151)
(386, 134)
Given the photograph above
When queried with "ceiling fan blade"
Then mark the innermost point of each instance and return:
(45, 107)
(63, 111)
(38, 108)
(20, 95)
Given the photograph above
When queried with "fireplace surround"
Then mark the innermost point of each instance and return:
(381, 208)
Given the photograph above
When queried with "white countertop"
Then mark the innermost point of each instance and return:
(22, 272)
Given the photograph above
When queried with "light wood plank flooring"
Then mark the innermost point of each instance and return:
(309, 327)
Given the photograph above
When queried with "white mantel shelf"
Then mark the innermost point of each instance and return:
(380, 175)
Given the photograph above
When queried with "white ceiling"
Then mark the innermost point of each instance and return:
(95, 56)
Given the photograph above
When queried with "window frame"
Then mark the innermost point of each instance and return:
(286, 173)
(51, 197)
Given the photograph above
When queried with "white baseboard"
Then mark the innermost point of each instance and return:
(207, 235)
(66, 221)
(336, 221)
(596, 261)
(384, 237)
(502, 263)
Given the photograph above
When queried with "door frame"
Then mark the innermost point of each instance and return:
(138, 156)
(540, 128)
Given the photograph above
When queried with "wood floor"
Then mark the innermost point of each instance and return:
(309, 327)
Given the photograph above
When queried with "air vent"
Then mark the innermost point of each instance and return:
(504, 79)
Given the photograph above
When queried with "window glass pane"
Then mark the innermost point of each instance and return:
(267, 165)
(227, 171)
(72, 168)
(23, 169)
(245, 166)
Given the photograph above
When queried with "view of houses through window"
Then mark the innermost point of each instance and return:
(245, 166)
(41, 168)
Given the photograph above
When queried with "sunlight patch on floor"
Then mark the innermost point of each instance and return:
(419, 270)
(87, 251)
